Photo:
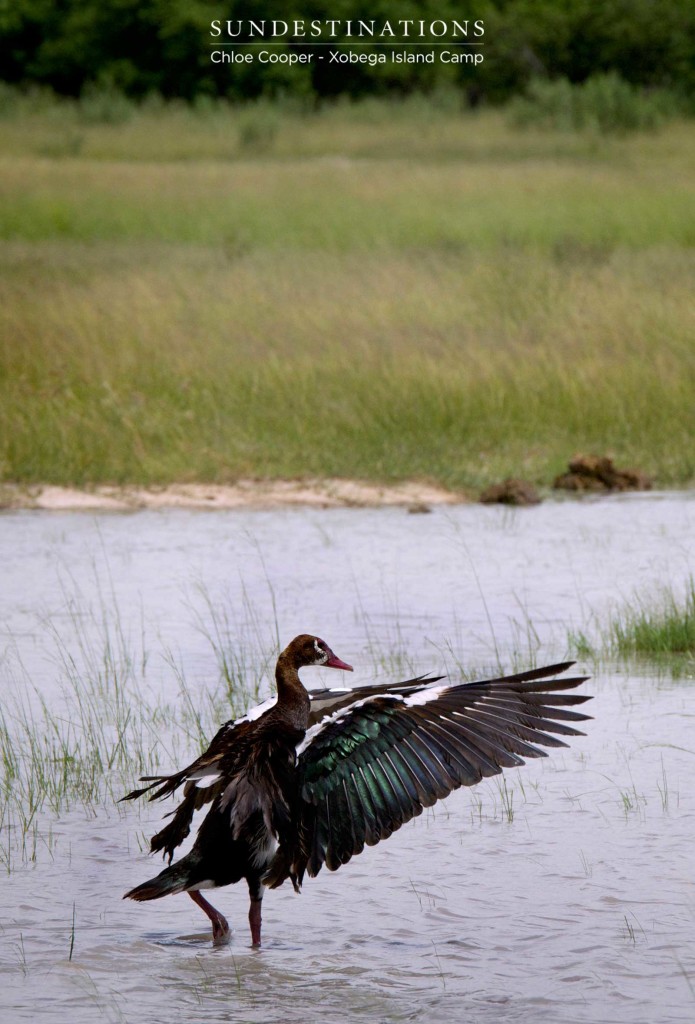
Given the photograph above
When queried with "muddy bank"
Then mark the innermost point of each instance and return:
(585, 475)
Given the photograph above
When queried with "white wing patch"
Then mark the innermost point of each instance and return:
(260, 709)
(203, 781)
(425, 696)
(311, 734)
(253, 713)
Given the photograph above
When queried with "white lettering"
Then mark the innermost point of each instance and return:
(230, 57)
(349, 57)
(332, 28)
(459, 29)
(447, 57)
(283, 57)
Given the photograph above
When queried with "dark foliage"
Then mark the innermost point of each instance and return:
(163, 46)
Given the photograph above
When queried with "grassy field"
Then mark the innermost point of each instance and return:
(384, 292)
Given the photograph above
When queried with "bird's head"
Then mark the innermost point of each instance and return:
(312, 650)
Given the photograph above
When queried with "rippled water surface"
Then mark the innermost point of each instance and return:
(561, 892)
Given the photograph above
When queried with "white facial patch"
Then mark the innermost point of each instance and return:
(321, 655)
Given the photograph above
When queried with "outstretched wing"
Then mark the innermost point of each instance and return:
(203, 779)
(374, 765)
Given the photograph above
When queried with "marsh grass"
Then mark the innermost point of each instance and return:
(500, 798)
(380, 292)
(505, 792)
(88, 745)
(660, 628)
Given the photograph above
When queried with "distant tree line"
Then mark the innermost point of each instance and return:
(163, 46)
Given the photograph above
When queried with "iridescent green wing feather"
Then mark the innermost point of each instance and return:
(375, 765)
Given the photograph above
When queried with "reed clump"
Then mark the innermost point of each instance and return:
(104, 725)
(658, 628)
(661, 629)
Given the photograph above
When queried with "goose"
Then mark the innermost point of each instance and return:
(310, 778)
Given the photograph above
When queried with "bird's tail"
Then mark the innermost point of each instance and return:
(171, 880)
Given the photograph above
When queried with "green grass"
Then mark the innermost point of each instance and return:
(382, 292)
(660, 629)
(663, 629)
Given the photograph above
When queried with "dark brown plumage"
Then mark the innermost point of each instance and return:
(310, 779)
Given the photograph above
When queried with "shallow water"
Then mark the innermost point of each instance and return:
(567, 896)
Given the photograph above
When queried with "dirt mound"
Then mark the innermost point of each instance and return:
(511, 491)
(597, 473)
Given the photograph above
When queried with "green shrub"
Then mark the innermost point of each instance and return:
(18, 103)
(258, 126)
(104, 105)
(603, 103)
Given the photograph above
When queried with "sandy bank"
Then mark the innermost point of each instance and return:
(243, 494)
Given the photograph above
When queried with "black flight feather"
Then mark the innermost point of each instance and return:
(378, 764)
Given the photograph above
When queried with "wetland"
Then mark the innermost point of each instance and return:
(559, 892)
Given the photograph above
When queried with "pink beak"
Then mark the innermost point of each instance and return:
(334, 662)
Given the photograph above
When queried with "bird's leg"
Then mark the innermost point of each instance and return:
(220, 929)
(256, 890)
